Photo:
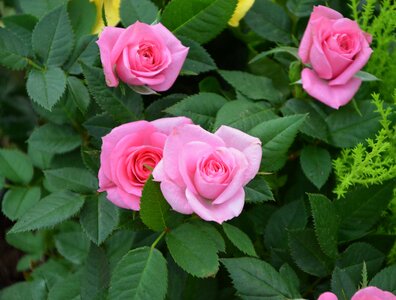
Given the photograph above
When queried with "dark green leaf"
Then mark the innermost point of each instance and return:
(28, 242)
(240, 239)
(291, 279)
(51, 272)
(385, 279)
(78, 93)
(258, 191)
(211, 232)
(143, 11)
(82, 16)
(198, 59)
(66, 289)
(302, 8)
(156, 109)
(15, 166)
(39, 8)
(33, 290)
(316, 164)
(73, 246)
(342, 284)
(18, 200)
(283, 49)
(74, 179)
(13, 50)
(86, 51)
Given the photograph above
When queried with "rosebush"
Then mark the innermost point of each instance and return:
(198, 149)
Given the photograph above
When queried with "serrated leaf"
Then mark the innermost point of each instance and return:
(256, 279)
(53, 37)
(302, 8)
(258, 191)
(82, 16)
(13, 50)
(73, 246)
(193, 250)
(99, 218)
(28, 242)
(154, 209)
(385, 279)
(99, 125)
(307, 254)
(198, 20)
(198, 59)
(86, 51)
(239, 239)
(18, 200)
(156, 109)
(15, 166)
(34, 290)
(133, 276)
(211, 232)
(49, 211)
(143, 11)
(74, 179)
(243, 115)
(277, 136)
(269, 21)
(39, 8)
(252, 86)
(316, 164)
(201, 108)
(342, 284)
(51, 138)
(326, 222)
(46, 87)
(22, 25)
(79, 93)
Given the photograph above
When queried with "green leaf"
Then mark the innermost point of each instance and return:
(302, 8)
(86, 51)
(99, 218)
(135, 273)
(49, 211)
(291, 279)
(277, 136)
(67, 245)
(99, 125)
(348, 127)
(22, 25)
(18, 200)
(199, 20)
(252, 86)
(29, 290)
(201, 108)
(105, 97)
(13, 51)
(316, 164)
(51, 272)
(307, 254)
(66, 289)
(258, 191)
(326, 223)
(198, 59)
(342, 284)
(95, 276)
(53, 38)
(240, 239)
(315, 124)
(55, 139)
(82, 16)
(156, 109)
(283, 49)
(243, 115)
(193, 250)
(46, 87)
(269, 21)
(211, 232)
(28, 242)
(15, 166)
(364, 76)
(143, 10)
(74, 179)
(39, 8)
(385, 279)
(362, 208)
(256, 279)
(154, 209)
(78, 93)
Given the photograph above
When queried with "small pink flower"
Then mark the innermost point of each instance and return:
(336, 48)
(205, 173)
(129, 153)
(368, 293)
(146, 56)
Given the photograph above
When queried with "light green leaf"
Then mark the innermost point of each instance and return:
(211, 232)
(135, 273)
(277, 136)
(385, 279)
(13, 51)
(39, 8)
(154, 209)
(316, 164)
(99, 218)
(29, 242)
(199, 20)
(46, 87)
(198, 59)
(258, 191)
(201, 108)
(50, 211)
(15, 166)
(143, 11)
(364, 76)
(269, 21)
(239, 239)
(33, 290)
(79, 93)
(256, 279)
(326, 221)
(18, 200)
(252, 86)
(53, 38)
(73, 246)
(74, 179)
(193, 250)
(55, 139)
(302, 8)
(22, 26)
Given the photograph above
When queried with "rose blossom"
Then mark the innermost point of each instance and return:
(146, 56)
(129, 154)
(205, 173)
(336, 48)
(368, 293)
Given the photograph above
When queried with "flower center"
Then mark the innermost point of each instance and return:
(142, 162)
(147, 53)
(345, 43)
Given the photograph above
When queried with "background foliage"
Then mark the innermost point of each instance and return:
(320, 215)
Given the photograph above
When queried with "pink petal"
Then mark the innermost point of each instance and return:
(166, 125)
(324, 11)
(175, 195)
(337, 61)
(373, 293)
(333, 96)
(327, 296)
(131, 201)
(124, 70)
(158, 172)
(113, 196)
(319, 60)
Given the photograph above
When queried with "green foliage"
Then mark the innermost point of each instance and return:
(385, 279)
(18, 200)
(316, 164)
(13, 52)
(258, 191)
(239, 239)
(198, 59)
(131, 11)
(15, 166)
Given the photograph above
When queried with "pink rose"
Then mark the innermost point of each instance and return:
(149, 56)
(336, 48)
(205, 173)
(129, 154)
(368, 293)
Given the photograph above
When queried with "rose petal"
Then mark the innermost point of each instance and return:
(327, 296)
(114, 197)
(175, 196)
(131, 201)
(373, 293)
(327, 12)
(166, 125)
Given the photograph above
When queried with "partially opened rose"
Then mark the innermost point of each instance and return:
(336, 48)
(205, 173)
(146, 56)
(129, 154)
(368, 293)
